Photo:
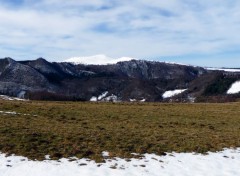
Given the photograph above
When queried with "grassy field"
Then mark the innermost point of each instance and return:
(65, 129)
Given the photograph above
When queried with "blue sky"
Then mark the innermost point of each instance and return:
(204, 33)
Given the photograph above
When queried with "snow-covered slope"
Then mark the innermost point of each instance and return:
(223, 69)
(5, 97)
(97, 60)
(235, 88)
(225, 163)
(172, 93)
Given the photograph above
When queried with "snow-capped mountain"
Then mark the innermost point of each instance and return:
(97, 60)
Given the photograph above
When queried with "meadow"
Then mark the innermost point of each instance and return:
(83, 129)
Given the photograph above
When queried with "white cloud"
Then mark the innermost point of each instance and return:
(58, 29)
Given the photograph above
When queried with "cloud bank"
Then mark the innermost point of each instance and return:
(181, 29)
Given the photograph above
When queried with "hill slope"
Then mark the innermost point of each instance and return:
(134, 80)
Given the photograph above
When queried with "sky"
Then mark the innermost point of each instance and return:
(204, 33)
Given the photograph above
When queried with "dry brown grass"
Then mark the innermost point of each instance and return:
(64, 129)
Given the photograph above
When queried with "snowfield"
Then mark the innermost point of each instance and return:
(235, 88)
(225, 163)
(223, 69)
(96, 60)
(171, 93)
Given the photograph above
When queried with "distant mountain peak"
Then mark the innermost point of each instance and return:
(9, 59)
(99, 59)
(40, 58)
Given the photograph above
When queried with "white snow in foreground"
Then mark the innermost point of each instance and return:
(172, 93)
(225, 163)
(97, 60)
(5, 97)
(235, 88)
(15, 113)
(8, 112)
(223, 69)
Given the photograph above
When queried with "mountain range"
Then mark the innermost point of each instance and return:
(123, 79)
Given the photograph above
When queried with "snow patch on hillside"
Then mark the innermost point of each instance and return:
(112, 98)
(135, 100)
(103, 97)
(222, 163)
(235, 88)
(104, 94)
(132, 100)
(93, 99)
(5, 97)
(97, 60)
(171, 93)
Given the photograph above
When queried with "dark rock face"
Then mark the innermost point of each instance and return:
(158, 70)
(22, 74)
(135, 79)
(16, 77)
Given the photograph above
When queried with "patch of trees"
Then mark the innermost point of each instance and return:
(219, 86)
(217, 99)
(49, 96)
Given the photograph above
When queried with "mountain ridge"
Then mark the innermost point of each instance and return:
(124, 81)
